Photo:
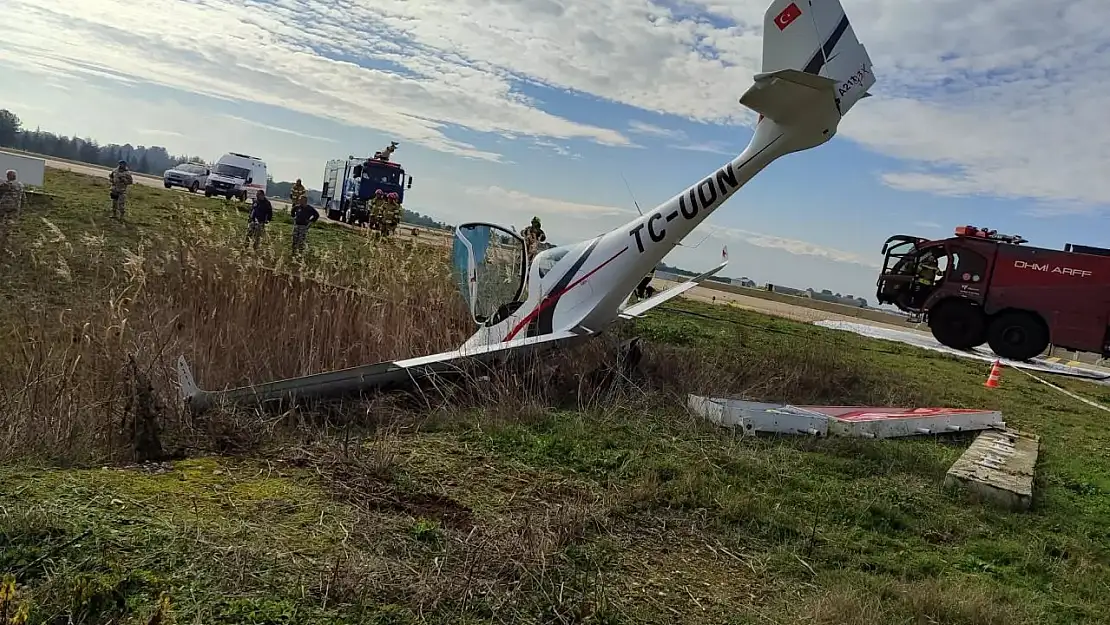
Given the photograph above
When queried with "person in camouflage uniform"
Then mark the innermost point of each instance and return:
(533, 236)
(262, 212)
(11, 205)
(302, 219)
(120, 178)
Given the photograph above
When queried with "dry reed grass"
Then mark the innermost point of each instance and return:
(67, 394)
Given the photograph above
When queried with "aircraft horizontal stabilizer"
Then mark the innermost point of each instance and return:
(638, 309)
(788, 95)
(376, 377)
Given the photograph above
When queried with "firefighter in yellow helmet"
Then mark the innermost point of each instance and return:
(296, 192)
(393, 215)
(925, 278)
(533, 236)
(377, 210)
(928, 270)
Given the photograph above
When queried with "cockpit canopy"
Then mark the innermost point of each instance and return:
(490, 264)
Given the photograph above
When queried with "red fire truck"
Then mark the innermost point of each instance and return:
(984, 287)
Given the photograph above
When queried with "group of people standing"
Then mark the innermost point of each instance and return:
(385, 211)
(13, 197)
(262, 213)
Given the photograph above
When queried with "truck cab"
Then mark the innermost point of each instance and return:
(980, 286)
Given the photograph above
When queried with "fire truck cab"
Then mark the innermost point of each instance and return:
(980, 286)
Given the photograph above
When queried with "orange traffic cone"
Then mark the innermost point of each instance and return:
(995, 375)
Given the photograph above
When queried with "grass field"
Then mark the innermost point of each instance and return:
(538, 499)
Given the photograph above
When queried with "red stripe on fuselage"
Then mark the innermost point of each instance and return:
(554, 297)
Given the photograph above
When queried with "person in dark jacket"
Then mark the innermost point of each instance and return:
(262, 212)
(644, 290)
(303, 216)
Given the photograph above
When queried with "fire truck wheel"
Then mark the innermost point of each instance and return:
(1017, 335)
(958, 325)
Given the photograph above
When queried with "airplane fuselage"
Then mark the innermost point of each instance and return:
(588, 284)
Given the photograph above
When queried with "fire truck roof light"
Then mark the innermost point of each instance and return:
(972, 231)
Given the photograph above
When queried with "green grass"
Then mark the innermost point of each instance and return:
(628, 511)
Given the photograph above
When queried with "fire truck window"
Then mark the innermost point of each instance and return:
(967, 266)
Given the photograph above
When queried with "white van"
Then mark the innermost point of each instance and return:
(236, 175)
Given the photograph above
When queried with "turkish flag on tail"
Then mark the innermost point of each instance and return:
(788, 15)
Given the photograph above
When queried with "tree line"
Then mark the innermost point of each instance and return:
(148, 160)
(153, 160)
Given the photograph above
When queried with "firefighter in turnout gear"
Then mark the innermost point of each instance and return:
(927, 270)
(392, 213)
(533, 236)
(295, 194)
(925, 278)
(377, 210)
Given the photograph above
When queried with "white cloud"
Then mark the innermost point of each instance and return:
(266, 55)
(645, 128)
(155, 132)
(573, 221)
(1005, 98)
(519, 202)
(256, 124)
(712, 147)
(794, 246)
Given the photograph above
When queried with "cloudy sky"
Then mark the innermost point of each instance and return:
(991, 113)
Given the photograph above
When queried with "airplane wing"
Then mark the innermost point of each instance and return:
(376, 377)
(638, 309)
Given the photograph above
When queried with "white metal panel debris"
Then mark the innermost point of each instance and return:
(30, 170)
(756, 417)
(999, 468)
(896, 422)
(847, 421)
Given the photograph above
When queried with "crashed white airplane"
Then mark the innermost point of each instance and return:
(814, 71)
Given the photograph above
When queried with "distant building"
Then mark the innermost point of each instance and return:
(826, 295)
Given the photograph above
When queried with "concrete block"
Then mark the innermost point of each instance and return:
(999, 468)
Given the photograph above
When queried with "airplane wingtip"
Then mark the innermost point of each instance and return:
(185, 381)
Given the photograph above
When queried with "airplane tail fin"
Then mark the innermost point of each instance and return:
(812, 61)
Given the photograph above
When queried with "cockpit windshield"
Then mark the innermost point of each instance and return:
(489, 264)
